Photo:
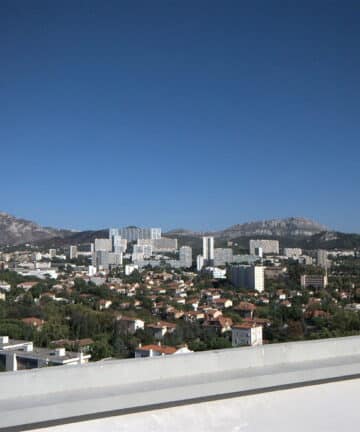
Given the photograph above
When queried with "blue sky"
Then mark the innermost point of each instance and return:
(195, 114)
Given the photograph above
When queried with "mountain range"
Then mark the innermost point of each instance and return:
(16, 231)
(287, 227)
(295, 230)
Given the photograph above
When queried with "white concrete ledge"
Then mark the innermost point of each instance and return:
(62, 394)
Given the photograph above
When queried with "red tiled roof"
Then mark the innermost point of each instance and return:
(33, 321)
(160, 324)
(245, 306)
(221, 300)
(164, 349)
(261, 321)
(246, 325)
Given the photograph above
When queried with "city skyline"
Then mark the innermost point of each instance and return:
(179, 215)
(165, 228)
(197, 116)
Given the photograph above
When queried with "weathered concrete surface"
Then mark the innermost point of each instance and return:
(110, 388)
(324, 408)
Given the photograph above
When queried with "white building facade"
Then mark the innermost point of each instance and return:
(267, 246)
(248, 277)
(246, 335)
(208, 250)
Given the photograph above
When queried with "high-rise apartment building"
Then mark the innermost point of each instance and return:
(208, 250)
(155, 233)
(141, 252)
(100, 251)
(322, 258)
(199, 262)
(162, 244)
(247, 277)
(119, 244)
(267, 246)
(100, 259)
(103, 244)
(292, 252)
(132, 234)
(185, 256)
(223, 256)
(115, 259)
(73, 253)
(103, 260)
(113, 232)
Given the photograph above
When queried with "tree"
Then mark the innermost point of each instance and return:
(2, 310)
(52, 330)
(100, 349)
(120, 349)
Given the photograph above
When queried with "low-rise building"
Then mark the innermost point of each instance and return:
(104, 304)
(20, 354)
(159, 350)
(216, 272)
(130, 268)
(222, 303)
(245, 309)
(26, 286)
(38, 273)
(247, 334)
(316, 281)
(160, 328)
(5, 286)
(274, 273)
(83, 345)
(34, 322)
(130, 325)
(221, 324)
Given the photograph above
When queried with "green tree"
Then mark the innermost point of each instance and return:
(100, 349)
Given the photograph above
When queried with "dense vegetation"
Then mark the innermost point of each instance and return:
(77, 311)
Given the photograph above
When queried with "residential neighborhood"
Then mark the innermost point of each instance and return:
(149, 305)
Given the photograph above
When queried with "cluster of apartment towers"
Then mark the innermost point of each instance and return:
(149, 248)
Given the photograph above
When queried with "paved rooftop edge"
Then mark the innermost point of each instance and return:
(166, 382)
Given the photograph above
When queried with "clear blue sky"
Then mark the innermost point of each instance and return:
(186, 113)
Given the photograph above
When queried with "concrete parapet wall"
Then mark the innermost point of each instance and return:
(110, 373)
(63, 394)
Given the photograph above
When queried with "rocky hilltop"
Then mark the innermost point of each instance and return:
(14, 231)
(288, 227)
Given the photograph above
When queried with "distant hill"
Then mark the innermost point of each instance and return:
(180, 232)
(291, 232)
(288, 227)
(332, 240)
(79, 238)
(15, 231)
